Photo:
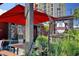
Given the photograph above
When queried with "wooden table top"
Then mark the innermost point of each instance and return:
(7, 53)
(18, 45)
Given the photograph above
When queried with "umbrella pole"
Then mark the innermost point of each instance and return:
(29, 28)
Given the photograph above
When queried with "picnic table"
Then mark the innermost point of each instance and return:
(18, 46)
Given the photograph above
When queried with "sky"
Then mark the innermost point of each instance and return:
(69, 11)
(7, 6)
(69, 7)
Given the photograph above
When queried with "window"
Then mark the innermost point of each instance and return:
(45, 7)
(58, 12)
(51, 5)
(52, 13)
(51, 9)
(58, 8)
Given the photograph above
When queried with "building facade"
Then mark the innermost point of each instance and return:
(53, 9)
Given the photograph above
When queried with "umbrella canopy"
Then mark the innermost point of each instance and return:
(16, 15)
(40, 17)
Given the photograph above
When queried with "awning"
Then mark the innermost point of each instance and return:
(17, 19)
(16, 15)
(40, 17)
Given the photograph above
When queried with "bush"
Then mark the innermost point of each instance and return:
(66, 46)
(41, 45)
(41, 41)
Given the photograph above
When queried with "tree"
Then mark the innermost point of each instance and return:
(76, 13)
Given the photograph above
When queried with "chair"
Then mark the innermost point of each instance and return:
(5, 45)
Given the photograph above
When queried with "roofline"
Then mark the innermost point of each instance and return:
(65, 18)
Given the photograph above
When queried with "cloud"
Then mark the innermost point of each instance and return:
(2, 11)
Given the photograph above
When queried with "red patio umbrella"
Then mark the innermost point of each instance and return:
(40, 17)
(16, 15)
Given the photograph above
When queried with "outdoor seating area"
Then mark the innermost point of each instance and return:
(25, 31)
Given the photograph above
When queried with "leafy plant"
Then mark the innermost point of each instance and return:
(67, 45)
(41, 45)
(76, 13)
(41, 41)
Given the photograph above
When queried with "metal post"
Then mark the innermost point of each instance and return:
(29, 28)
(49, 39)
(9, 32)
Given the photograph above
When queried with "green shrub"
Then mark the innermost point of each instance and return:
(41, 41)
(41, 45)
(66, 46)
